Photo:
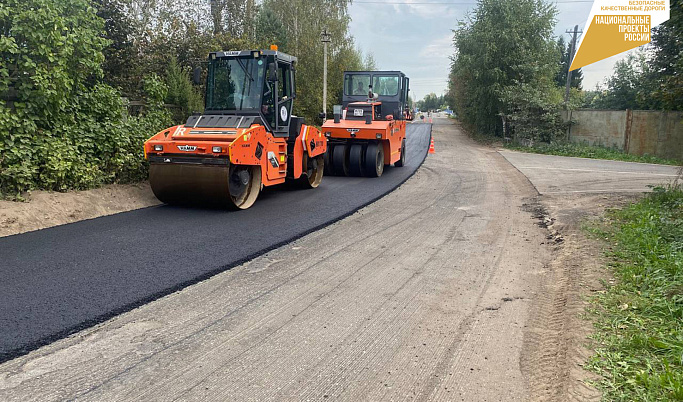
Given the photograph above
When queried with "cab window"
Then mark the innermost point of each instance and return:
(385, 85)
(284, 81)
(356, 84)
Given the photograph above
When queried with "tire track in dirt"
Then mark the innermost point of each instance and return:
(398, 301)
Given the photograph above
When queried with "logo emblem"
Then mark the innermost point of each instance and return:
(353, 130)
(187, 148)
(283, 113)
(273, 160)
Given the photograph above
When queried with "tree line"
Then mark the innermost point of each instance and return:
(431, 101)
(67, 68)
(508, 72)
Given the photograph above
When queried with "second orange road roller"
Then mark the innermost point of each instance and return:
(245, 139)
(368, 131)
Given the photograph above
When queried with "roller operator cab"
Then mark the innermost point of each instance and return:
(369, 127)
(246, 138)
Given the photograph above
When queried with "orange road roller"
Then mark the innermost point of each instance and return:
(369, 128)
(245, 139)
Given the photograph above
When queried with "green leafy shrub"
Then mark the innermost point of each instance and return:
(64, 129)
(533, 110)
(182, 93)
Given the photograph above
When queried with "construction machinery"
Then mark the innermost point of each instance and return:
(369, 128)
(245, 139)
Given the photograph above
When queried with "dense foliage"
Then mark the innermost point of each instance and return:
(505, 65)
(431, 101)
(508, 75)
(67, 68)
(161, 36)
(64, 128)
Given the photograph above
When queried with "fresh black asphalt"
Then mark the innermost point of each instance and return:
(56, 281)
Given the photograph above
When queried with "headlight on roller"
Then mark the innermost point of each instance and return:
(158, 148)
(217, 150)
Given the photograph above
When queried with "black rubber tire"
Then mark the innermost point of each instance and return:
(329, 169)
(340, 160)
(374, 160)
(402, 161)
(313, 171)
(356, 160)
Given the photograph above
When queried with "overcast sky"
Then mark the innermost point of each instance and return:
(417, 38)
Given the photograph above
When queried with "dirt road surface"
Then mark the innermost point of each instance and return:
(422, 295)
(573, 191)
(562, 176)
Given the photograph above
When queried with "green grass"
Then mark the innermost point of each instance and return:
(638, 340)
(586, 151)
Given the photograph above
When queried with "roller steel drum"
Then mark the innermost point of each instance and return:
(232, 186)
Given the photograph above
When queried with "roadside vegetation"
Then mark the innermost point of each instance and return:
(638, 337)
(514, 87)
(587, 151)
(68, 69)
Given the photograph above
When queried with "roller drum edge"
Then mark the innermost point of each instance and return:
(190, 184)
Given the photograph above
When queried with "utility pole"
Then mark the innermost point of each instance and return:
(572, 50)
(325, 39)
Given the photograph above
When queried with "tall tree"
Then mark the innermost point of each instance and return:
(564, 50)
(625, 84)
(304, 20)
(269, 29)
(503, 45)
(666, 75)
(121, 62)
(369, 63)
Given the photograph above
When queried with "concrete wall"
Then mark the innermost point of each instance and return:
(604, 128)
(656, 133)
(636, 132)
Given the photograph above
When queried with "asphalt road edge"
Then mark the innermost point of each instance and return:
(14, 353)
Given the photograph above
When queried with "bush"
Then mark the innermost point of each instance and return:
(182, 93)
(534, 111)
(65, 130)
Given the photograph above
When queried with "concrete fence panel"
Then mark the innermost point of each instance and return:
(656, 133)
(604, 128)
(636, 132)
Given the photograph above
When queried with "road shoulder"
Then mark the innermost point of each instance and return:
(44, 209)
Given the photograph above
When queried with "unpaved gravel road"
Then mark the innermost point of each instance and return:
(423, 295)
